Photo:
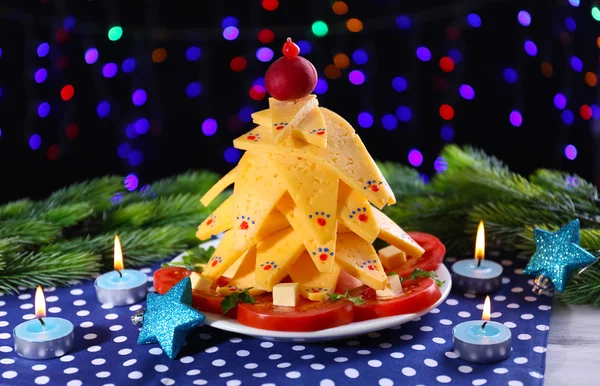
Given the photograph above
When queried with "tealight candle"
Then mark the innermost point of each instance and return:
(43, 338)
(477, 276)
(482, 341)
(121, 287)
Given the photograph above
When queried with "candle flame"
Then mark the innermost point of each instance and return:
(40, 303)
(487, 309)
(480, 242)
(118, 254)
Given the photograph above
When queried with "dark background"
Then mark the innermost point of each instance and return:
(175, 141)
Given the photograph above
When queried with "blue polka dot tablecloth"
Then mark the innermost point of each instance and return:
(417, 353)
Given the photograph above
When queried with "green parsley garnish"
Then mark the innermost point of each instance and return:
(422, 273)
(192, 259)
(229, 302)
(358, 300)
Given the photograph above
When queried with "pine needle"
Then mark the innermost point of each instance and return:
(28, 270)
(97, 193)
(30, 232)
(571, 184)
(16, 209)
(403, 180)
(68, 215)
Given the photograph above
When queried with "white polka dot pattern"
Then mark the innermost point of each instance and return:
(419, 352)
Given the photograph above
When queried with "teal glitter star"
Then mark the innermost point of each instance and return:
(169, 317)
(558, 254)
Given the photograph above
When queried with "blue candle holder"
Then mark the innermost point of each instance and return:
(482, 342)
(470, 277)
(121, 288)
(43, 338)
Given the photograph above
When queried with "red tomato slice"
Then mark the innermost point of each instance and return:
(429, 261)
(165, 278)
(346, 282)
(306, 316)
(416, 295)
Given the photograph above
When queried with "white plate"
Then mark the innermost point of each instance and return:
(348, 330)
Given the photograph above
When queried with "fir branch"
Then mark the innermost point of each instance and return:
(194, 182)
(403, 180)
(181, 209)
(68, 215)
(30, 232)
(141, 247)
(571, 184)
(97, 193)
(583, 288)
(28, 270)
(16, 209)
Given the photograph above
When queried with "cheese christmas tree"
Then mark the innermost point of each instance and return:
(305, 198)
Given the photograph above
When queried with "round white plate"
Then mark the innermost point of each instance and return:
(348, 330)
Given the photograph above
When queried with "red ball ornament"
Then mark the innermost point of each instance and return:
(290, 77)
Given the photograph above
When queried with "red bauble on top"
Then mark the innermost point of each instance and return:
(290, 77)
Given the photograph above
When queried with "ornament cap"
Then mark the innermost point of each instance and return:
(138, 318)
(542, 285)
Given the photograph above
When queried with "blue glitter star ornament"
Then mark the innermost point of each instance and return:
(169, 318)
(557, 255)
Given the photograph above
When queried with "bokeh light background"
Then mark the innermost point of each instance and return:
(89, 88)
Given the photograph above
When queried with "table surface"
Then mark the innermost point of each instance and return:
(573, 345)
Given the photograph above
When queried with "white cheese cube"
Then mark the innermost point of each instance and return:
(286, 294)
(391, 257)
(393, 286)
(200, 282)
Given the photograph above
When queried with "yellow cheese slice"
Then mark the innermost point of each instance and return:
(314, 189)
(345, 153)
(322, 255)
(219, 221)
(262, 118)
(223, 257)
(276, 221)
(275, 255)
(245, 276)
(257, 189)
(219, 187)
(391, 257)
(287, 114)
(358, 258)
(391, 232)
(312, 129)
(354, 211)
(342, 228)
(314, 285)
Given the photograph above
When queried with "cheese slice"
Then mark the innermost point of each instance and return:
(200, 282)
(391, 257)
(223, 257)
(219, 221)
(219, 187)
(392, 288)
(275, 222)
(354, 211)
(286, 294)
(345, 153)
(312, 129)
(391, 232)
(287, 114)
(358, 258)
(262, 118)
(314, 189)
(314, 285)
(322, 255)
(245, 276)
(274, 257)
(257, 189)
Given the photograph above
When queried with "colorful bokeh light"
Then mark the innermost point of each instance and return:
(128, 65)
(231, 33)
(474, 20)
(232, 155)
(530, 48)
(440, 165)
(142, 126)
(356, 77)
(319, 28)
(404, 113)
(270, 5)
(321, 86)
(193, 89)
(567, 116)
(110, 70)
(193, 53)
(115, 33)
(131, 182)
(264, 54)
(403, 22)
(209, 127)
(305, 47)
(360, 57)
(67, 92)
(447, 133)
(91, 55)
(365, 120)
(399, 84)
(415, 157)
(229, 21)
(103, 109)
(43, 109)
(139, 97)
(466, 91)
(446, 112)
(389, 122)
(524, 18)
(40, 75)
(446, 64)
(515, 118)
(560, 101)
(238, 64)
(570, 152)
(510, 75)
(43, 49)
(576, 64)
(35, 141)
(424, 54)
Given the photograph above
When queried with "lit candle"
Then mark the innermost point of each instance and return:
(482, 341)
(478, 276)
(43, 338)
(121, 287)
